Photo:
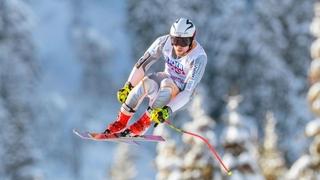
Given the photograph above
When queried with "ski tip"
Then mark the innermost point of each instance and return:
(75, 131)
(229, 173)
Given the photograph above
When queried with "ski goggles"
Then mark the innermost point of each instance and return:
(181, 41)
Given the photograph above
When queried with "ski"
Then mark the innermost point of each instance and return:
(117, 137)
(86, 135)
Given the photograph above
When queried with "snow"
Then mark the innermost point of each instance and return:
(297, 168)
(313, 128)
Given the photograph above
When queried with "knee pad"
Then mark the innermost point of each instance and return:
(167, 91)
(169, 85)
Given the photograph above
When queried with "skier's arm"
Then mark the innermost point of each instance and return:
(191, 83)
(152, 54)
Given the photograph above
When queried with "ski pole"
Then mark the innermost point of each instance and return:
(205, 141)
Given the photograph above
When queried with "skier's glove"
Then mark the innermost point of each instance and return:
(124, 92)
(160, 115)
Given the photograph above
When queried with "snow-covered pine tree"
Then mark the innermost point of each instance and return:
(257, 51)
(271, 159)
(168, 161)
(146, 21)
(284, 32)
(123, 167)
(19, 72)
(314, 71)
(240, 144)
(308, 165)
(198, 161)
(282, 36)
(253, 56)
(93, 52)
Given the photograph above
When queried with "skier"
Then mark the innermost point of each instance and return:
(168, 91)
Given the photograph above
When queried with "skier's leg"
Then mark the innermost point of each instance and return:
(168, 89)
(146, 87)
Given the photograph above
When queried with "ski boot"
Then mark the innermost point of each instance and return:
(138, 128)
(119, 124)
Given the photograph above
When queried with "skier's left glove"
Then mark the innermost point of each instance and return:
(160, 115)
(123, 93)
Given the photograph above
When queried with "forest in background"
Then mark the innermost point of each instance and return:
(62, 62)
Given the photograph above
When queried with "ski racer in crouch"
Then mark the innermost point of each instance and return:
(168, 91)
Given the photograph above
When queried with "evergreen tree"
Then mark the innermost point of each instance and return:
(168, 161)
(18, 100)
(146, 21)
(255, 48)
(308, 165)
(271, 159)
(283, 37)
(93, 52)
(123, 168)
(314, 72)
(198, 161)
(284, 32)
(239, 144)
(249, 59)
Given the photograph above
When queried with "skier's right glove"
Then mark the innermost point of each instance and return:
(160, 115)
(123, 93)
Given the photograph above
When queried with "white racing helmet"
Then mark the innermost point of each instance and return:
(183, 27)
(182, 32)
